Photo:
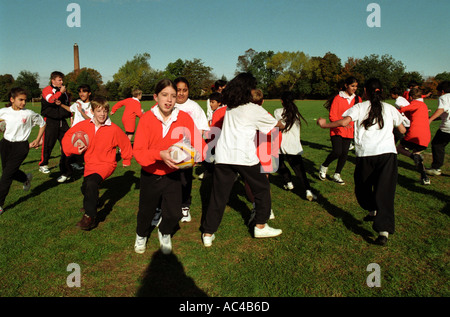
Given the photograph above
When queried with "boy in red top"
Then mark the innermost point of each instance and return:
(418, 136)
(160, 183)
(99, 155)
(132, 110)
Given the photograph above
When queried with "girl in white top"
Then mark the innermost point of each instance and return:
(291, 148)
(376, 156)
(14, 146)
(236, 153)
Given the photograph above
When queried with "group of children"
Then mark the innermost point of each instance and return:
(226, 143)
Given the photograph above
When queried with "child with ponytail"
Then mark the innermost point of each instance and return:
(291, 148)
(376, 156)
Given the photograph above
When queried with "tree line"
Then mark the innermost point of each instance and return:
(308, 77)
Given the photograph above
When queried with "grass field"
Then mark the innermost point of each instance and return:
(325, 249)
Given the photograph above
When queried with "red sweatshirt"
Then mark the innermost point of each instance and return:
(149, 141)
(419, 130)
(132, 110)
(338, 107)
(100, 156)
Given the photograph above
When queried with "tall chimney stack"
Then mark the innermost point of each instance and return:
(76, 57)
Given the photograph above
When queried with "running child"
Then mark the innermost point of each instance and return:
(100, 155)
(442, 136)
(197, 114)
(236, 153)
(56, 124)
(291, 148)
(14, 146)
(340, 137)
(267, 146)
(418, 136)
(376, 156)
(161, 182)
(400, 102)
(132, 110)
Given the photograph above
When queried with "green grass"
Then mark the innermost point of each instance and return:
(324, 250)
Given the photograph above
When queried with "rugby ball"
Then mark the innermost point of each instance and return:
(80, 138)
(183, 154)
(2, 126)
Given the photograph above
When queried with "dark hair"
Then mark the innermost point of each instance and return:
(163, 83)
(239, 90)
(181, 80)
(56, 74)
(217, 96)
(219, 83)
(444, 86)
(290, 112)
(84, 87)
(374, 92)
(396, 91)
(347, 82)
(415, 93)
(14, 92)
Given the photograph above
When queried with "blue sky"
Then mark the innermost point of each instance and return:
(34, 34)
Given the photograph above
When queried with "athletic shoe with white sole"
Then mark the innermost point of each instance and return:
(63, 178)
(27, 183)
(310, 196)
(426, 181)
(266, 232)
(323, 172)
(433, 171)
(207, 240)
(44, 169)
(139, 245)
(337, 178)
(165, 243)
(1, 210)
(186, 214)
(289, 186)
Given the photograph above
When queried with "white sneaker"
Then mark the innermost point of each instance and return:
(139, 245)
(186, 214)
(27, 183)
(157, 218)
(310, 196)
(323, 172)
(165, 242)
(207, 240)
(433, 171)
(44, 169)
(267, 232)
(289, 186)
(62, 178)
(1, 210)
(337, 178)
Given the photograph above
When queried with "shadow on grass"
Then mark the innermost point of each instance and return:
(165, 277)
(35, 191)
(416, 186)
(116, 188)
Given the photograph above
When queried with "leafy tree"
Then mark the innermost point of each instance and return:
(290, 67)
(199, 76)
(6, 82)
(175, 69)
(112, 90)
(30, 82)
(385, 68)
(84, 76)
(325, 74)
(130, 75)
(442, 76)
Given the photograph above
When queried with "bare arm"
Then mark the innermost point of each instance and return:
(436, 114)
(334, 124)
